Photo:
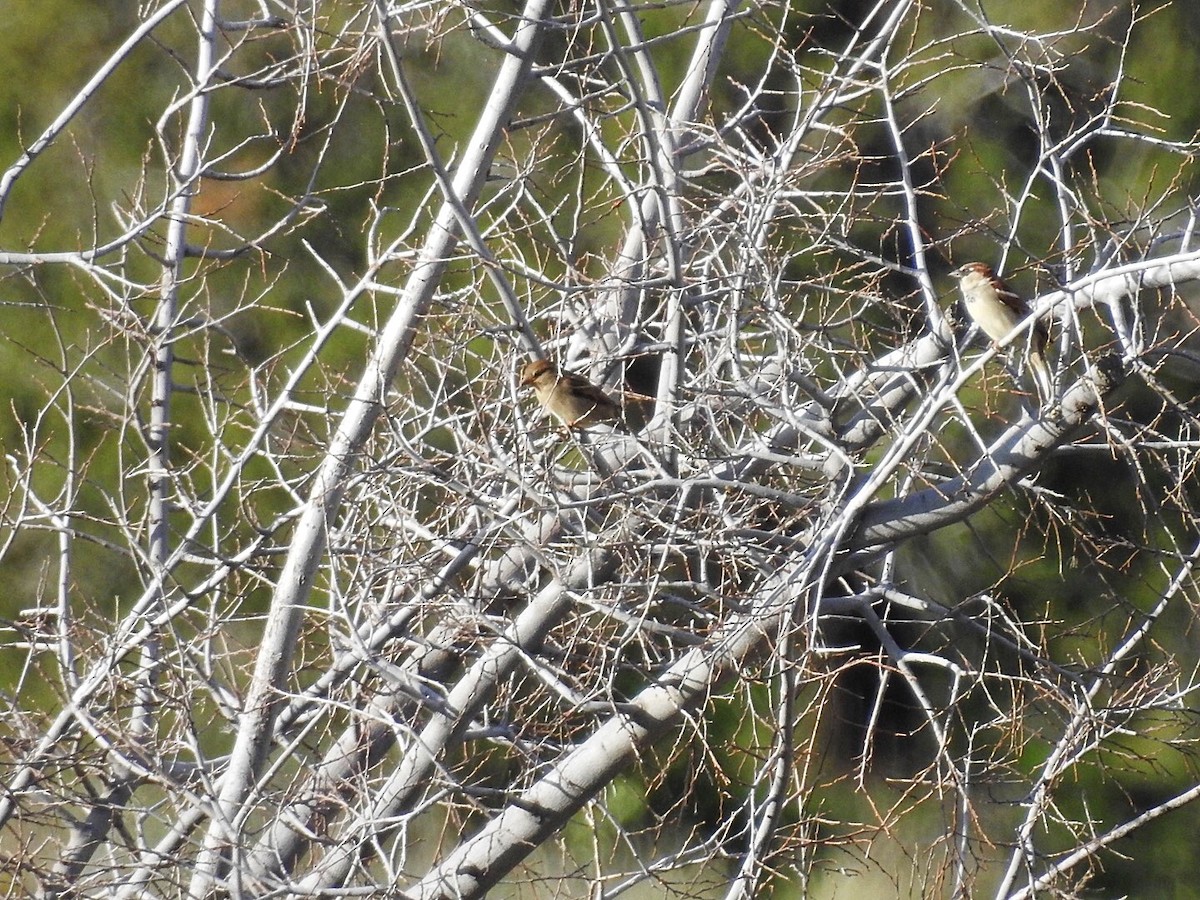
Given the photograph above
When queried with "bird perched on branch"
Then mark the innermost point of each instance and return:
(571, 399)
(997, 310)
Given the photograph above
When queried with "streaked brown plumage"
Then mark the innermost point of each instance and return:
(571, 399)
(998, 309)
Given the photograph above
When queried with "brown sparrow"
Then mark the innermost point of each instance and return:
(997, 310)
(571, 399)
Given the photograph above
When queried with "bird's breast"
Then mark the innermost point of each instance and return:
(993, 316)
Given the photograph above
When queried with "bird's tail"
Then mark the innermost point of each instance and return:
(1042, 375)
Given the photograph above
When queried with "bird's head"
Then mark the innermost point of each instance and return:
(536, 371)
(977, 269)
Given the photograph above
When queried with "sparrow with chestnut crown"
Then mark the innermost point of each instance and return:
(997, 309)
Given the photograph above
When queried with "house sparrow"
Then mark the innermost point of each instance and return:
(997, 310)
(571, 399)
